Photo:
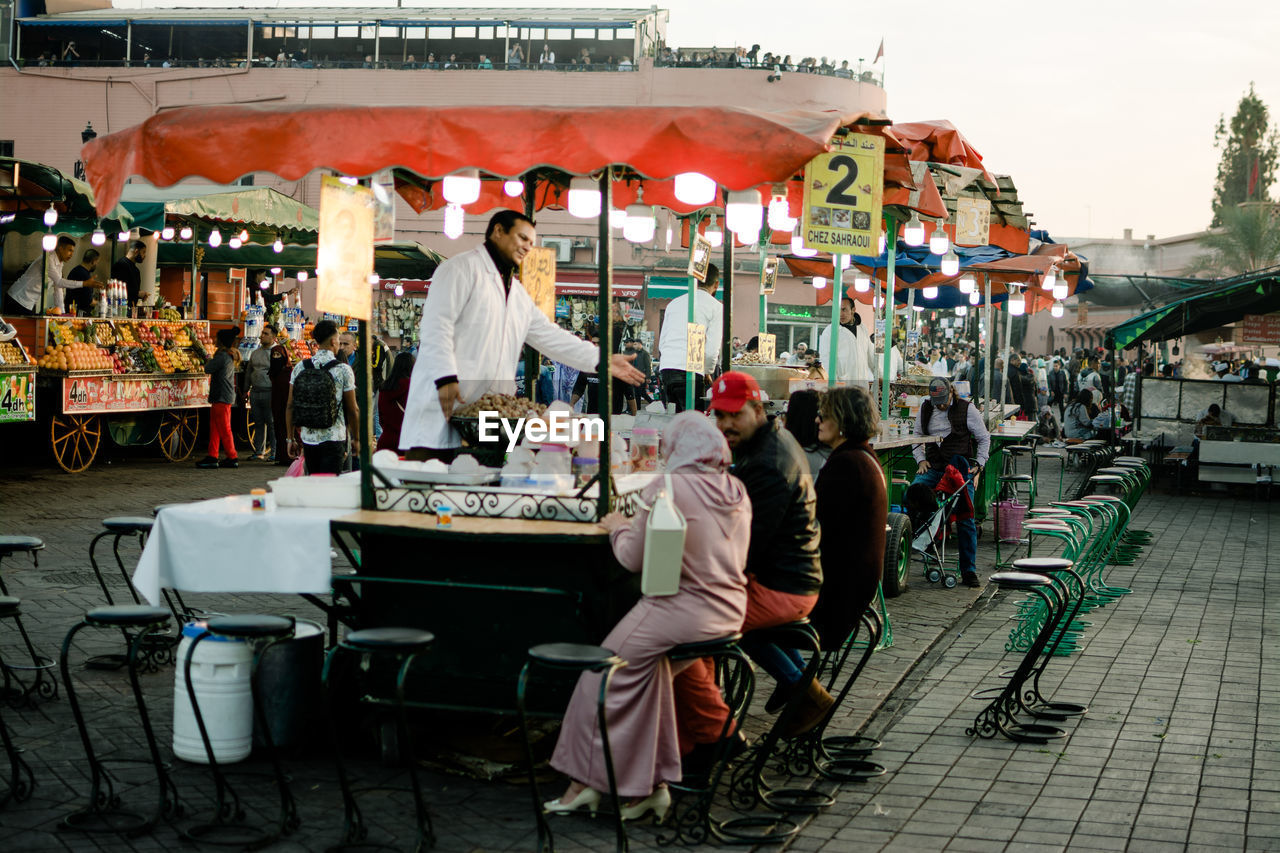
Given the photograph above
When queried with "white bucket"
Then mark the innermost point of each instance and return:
(220, 676)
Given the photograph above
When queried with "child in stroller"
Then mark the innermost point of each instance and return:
(929, 510)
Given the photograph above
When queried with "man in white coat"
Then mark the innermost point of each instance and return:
(855, 353)
(673, 342)
(475, 322)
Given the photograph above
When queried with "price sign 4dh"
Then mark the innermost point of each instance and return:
(843, 190)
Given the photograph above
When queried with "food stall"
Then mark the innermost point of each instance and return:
(17, 383)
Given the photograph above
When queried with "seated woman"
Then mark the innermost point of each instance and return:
(1079, 422)
(802, 422)
(711, 603)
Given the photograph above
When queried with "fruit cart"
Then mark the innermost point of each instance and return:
(137, 381)
(17, 383)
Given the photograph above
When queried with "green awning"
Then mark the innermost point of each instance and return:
(670, 286)
(27, 189)
(265, 213)
(1224, 301)
(390, 261)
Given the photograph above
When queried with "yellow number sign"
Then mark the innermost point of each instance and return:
(843, 190)
(345, 250)
(768, 349)
(538, 275)
(696, 347)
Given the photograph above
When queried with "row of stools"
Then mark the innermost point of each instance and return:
(1089, 533)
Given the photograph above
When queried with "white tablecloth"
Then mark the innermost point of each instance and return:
(223, 545)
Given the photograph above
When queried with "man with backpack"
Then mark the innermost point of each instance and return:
(322, 404)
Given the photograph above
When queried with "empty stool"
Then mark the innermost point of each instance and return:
(579, 658)
(45, 687)
(1062, 465)
(402, 645)
(159, 650)
(229, 818)
(21, 780)
(104, 812)
(690, 821)
(1072, 589)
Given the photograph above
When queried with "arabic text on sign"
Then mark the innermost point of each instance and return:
(695, 349)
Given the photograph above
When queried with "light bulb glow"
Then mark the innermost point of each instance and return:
(512, 188)
(695, 188)
(1050, 279)
(375, 279)
(244, 235)
(275, 270)
(714, 235)
(780, 218)
(1057, 309)
(48, 242)
(967, 284)
(917, 308)
(798, 249)
(617, 217)
(277, 246)
(454, 221)
(938, 241)
(462, 187)
(950, 262)
(51, 216)
(215, 238)
(264, 284)
(641, 223)
(301, 276)
(861, 283)
(974, 298)
(913, 234)
(98, 237)
(882, 244)
(166, 233)
(186, 232)
(846, 261)
(235, 242)
(584, 198)
(962, 310)
(122, 237)
(819, 282)
(1017, 304)
(929, 292)
(399, 291)
(743, 214)
(1060, 289)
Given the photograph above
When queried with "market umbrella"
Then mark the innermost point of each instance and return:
(390, 260)
(27, 189)
(265, 213)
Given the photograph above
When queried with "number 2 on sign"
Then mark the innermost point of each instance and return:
(838, 194)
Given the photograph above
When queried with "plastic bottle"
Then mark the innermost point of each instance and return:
(619, 458)
(644, 449)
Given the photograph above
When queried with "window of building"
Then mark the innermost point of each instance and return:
(6, 147)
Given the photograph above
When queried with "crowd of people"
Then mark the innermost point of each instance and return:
(742, 57)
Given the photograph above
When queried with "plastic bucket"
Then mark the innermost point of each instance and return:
(289, 686)
(1010, 515)
(220, 679)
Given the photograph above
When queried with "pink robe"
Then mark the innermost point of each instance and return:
(711, 603)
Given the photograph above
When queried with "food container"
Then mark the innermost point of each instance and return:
(444, 515)
(644, 449)
(584, 468)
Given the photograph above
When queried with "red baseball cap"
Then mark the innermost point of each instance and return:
(732, 391)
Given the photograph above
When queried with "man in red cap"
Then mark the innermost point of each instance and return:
(784, 572)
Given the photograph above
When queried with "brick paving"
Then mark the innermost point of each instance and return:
(1177, 751)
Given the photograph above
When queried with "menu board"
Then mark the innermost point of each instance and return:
(538, 275)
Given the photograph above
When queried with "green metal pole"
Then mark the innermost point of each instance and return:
(891, 283)
(532, 361)
(764, 300)
(726, 314)
(689, 381)
(837, 297)
(364, 394)
(605, 394)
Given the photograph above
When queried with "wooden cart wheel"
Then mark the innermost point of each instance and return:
(177, 436)
(75, 440)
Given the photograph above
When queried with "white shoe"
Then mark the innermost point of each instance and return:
(658, 802)
(587, 797)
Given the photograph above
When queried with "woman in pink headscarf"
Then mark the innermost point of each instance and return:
(711, 603)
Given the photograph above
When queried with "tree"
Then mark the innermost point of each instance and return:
(1249, 148)
(1248, 240)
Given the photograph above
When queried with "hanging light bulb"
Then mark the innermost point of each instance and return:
(513, 188)
(399, 291)
(455, 219)
(938, 241)
(617, 217)
(780, 218)
(98, 237)
(215, 238)
(967, 284)
(819, 282)
(185, 232)
(584, 198)
(695, 188)
(846, 261)
(348, 180)
(1050, 279)
(1060, 289)
(51, 216)
(974, 297)
(962, 310)
(913, 234)
(1057, 309)
(641, 223)
(166, 233)
(48, 242)
(882, 244)
(264, 284)
(917, 308)
(235, 242)
(713, 234)
(244, 235)
(301, 276)
(950, 262)
(798, 249)
(929, 292)
(1017, 302)
(743, 214)
(123, 237)
(462, 187)
(277, 246)
(375, 279)
(861, 282)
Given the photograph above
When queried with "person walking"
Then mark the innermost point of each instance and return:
(222, 396)
(322, 411)
(265, 448)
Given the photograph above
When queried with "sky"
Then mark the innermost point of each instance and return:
(1102, 111)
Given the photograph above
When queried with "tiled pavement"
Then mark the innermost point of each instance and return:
(1177, 751)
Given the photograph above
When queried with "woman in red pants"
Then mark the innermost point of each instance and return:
(222, 396)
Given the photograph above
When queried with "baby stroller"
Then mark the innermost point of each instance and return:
(929, 510)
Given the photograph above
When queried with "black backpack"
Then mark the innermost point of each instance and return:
(315, 396)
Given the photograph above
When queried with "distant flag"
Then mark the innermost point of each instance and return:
(879, 53)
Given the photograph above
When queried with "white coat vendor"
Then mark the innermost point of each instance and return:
(475, 322)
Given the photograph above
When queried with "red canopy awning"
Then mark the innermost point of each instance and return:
(737, 148)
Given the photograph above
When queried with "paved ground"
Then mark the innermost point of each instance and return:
(1177, 751)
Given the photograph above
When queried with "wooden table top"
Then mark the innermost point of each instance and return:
(472, 526)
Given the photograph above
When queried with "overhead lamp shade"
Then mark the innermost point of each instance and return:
(640, 225)
(938, 241)
(1057, 309)
(913, 234)
(617, 217)
(166, 233)
(929, 293)
(215, 238)
(974, 298)
(98, 237)
(695, 188)
(301, 276)
(584, 198)
(950, 262)
(455, 219)
(1060, 290)
(962, 310)
(511, 188)
(861, 283)
(235, 242)
(186, 232)
(462, 187)
(743, 214)
(819, 282)
(713, 234)
(48, 242)
(967, 284)
(1017, 304)
(780, 218)
(798, 249)
(51, 216)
